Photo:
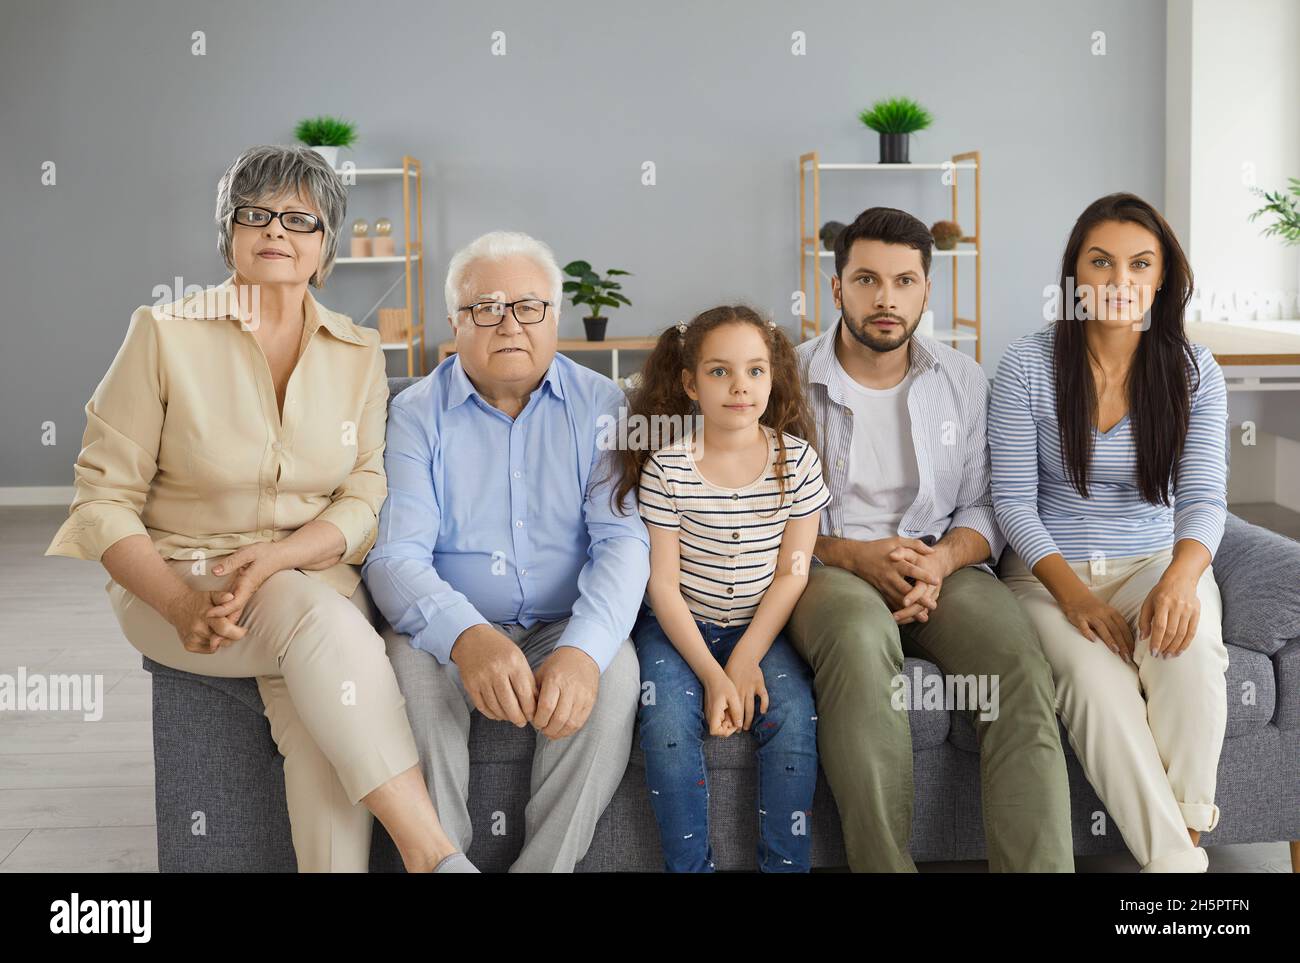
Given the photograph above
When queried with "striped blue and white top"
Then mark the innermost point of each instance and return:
(1038, 508)
(730, 538)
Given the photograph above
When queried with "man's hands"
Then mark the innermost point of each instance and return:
(495, 673)
(888, 563)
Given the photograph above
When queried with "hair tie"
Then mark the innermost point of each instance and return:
(771, 324)
(681, 330)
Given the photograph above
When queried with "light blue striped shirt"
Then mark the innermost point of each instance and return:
(947, 402)
(1038, 508)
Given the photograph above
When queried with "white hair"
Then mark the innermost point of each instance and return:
(496, 246)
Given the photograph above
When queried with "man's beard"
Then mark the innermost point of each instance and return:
(866, 335)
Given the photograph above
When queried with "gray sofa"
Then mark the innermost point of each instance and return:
(213, 753)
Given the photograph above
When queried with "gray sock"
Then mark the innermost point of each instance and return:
(456, 863)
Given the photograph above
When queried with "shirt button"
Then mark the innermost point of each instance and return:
(734, 497)
(276, 446)
(523, 571)
(270, 490)
(725, 621)
(519, 523)
(735, 535)
(519, 474)
(730, 590)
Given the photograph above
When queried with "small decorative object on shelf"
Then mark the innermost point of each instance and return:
(590, 288)
(326, 135)
(384, 245)
(895, 120)
(360, 242)
(829, 232)
(946, 234)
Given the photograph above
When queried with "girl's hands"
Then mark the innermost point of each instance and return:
(722, 706)
(1099, 623)
(747, 677)
(1170, 614)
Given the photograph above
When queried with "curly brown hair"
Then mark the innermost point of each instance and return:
(661, 393)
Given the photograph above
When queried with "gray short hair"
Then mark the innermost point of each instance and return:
(496, 246)
(270, 169)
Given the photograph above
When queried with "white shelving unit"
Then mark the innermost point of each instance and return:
(401, 328)
(810, 248)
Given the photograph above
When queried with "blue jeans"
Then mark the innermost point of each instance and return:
(673, 728)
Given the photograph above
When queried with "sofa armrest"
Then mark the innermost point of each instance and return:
(1258, 572)
(1286, 669)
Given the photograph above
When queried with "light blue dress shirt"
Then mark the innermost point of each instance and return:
(490, 519)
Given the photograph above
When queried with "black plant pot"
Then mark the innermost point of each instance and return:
(595, 328)
(893, 148)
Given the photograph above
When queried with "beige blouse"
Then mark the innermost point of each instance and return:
(184, 441)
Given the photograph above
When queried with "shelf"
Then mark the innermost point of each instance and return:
(375, 172)
(934, 252)
(398, 345)
(950, 334)
(394, 259)
(950, 165)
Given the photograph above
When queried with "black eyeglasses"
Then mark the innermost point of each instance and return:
(488, 314)
(297, 221)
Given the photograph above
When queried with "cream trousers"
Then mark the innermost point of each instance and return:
(335, 710)
(1148, 734)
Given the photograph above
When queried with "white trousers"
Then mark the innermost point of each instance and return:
(1148, 734)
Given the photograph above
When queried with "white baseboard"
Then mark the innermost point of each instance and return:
(37, 495)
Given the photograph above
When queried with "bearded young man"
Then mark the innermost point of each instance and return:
(904, 557)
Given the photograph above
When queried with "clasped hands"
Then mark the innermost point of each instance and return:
(907, 573)
(556, 700)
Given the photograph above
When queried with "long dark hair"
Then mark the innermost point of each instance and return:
(1158, 385)
(660, 391)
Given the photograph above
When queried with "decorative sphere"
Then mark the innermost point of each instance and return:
(359, 228)
(383, 227)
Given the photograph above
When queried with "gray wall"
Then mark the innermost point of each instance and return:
(548, 139)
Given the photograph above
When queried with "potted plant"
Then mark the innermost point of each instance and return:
(946, 234)
(1284, 209)
(590, 288)
(895, 119)
(326, 135)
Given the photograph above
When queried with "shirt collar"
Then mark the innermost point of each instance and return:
(821, 369)
(461, 388)
(222, 303)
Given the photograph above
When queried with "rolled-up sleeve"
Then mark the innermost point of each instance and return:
(119, 450)
(354, 506)
(1200, 491)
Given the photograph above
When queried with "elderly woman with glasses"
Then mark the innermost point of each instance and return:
(230, 481)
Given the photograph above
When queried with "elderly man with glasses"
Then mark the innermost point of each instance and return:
(509, 578)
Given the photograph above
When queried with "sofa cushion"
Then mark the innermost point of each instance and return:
(1258, 572)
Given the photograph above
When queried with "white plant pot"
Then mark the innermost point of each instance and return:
(331, 155)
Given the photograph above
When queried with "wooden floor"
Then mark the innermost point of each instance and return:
(78, 795)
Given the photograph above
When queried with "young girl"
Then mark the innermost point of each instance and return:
(732, 505)
(1107, 437)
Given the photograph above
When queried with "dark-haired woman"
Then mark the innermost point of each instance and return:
(1107, 433)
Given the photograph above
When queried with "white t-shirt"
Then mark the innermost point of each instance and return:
(883, 476)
